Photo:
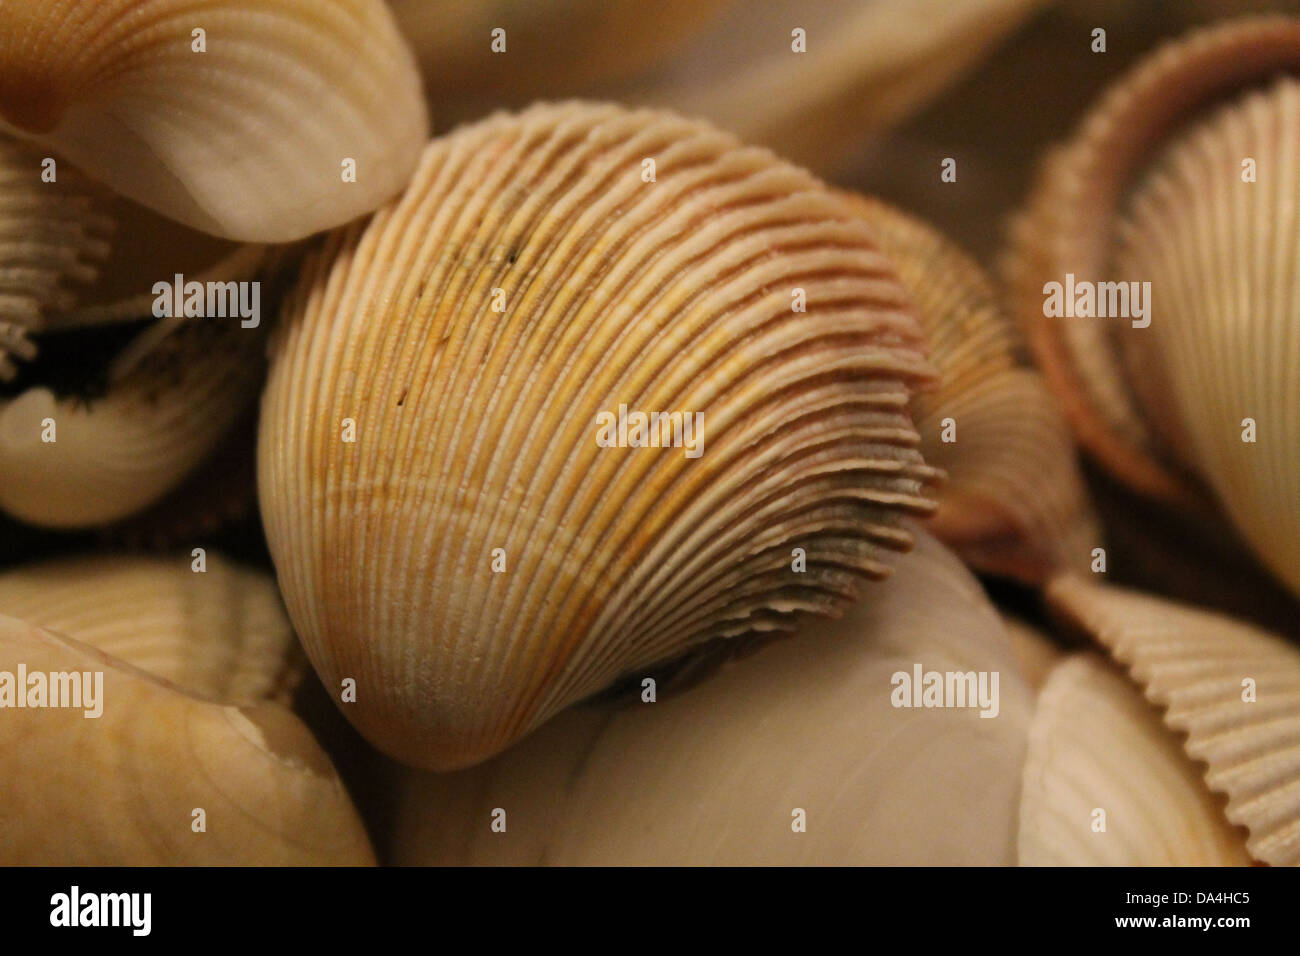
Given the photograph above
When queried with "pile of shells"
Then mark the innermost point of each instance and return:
(637, 496)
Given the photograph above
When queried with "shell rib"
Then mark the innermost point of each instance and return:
(222, 633)
(171, 397)
(52, 234)
(1194, 665)
(1096, 745)
(246, 139)
(121, 789)
(1071, 224)
(1014, 501)
(712, 776)
(477, 430)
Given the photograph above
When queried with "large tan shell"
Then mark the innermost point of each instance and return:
(713, 776)
(52, 236)
(122, 788)
(170, 398)
(1096, 745)
(1195, 666)
(1072, 223)
(1014, 501)
(476, 430)
(246, 139)
(220, 633)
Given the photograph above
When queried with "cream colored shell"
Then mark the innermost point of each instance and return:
(476, 429)
(1106, 784)
(1071, 223)
(121, 788)
(220, 633)
(246, 138)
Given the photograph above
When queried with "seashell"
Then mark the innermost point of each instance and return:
(51, 236)
(122, 788)
(221, 634)
(1106, 784)
(244, 138)
(1151, 190)
(713, 776)
(1014, 502)
(1200, 668)
(168, 397)
(477, 430)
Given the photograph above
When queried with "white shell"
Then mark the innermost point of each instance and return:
(1106, 784)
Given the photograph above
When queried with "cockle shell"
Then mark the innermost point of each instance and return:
(713, 776)
(123, 788)
(1232, 688)
(246, 137)
(52, 235)
(1014, 501)
(1106, 784)
(221, 633)
(1222, 256)
(170, 398)
(1152, 189)
(476, 430)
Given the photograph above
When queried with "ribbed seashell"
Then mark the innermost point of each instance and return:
(122, 788)
(713, 776)
(1222, 257)
(52, 235)
(246, 138)
(1151, 189)
(1014, 501)
(1107, 784)
(1232, 688)
(220, 633)
(477, 430)
(169, 398)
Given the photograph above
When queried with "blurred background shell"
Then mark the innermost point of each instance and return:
(1154, 188)
(1013, 502)
(477, 429)
(245, 137)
